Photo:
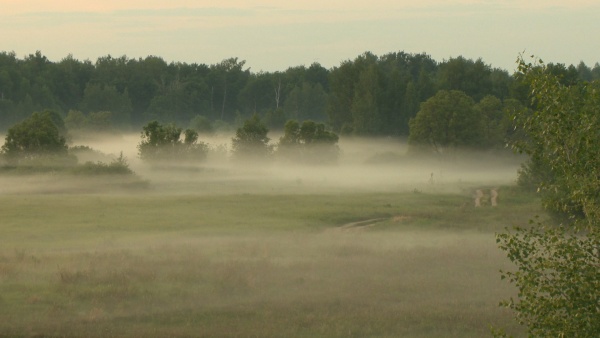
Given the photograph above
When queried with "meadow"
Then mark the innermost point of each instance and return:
(348, 251)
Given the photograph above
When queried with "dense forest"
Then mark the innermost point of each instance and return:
(370, 95)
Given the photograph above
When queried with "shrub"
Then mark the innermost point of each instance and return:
(119, 166)
(251, 141)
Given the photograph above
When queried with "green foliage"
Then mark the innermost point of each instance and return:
(562, 140)
(471, 77)
(495, 123)
(558, 268)
(446, 121)
(368, 95)
(75, 119)
(36, 138)
(101, 98)
(365, 108)
(306, 101)
(223, 126)
(100, 121)
(163, 143)
(275, 119)
(118, 166)
(342, 80)
(202, 125)
(308, 143)
(251, 141)
(558, 279)
(88, 154)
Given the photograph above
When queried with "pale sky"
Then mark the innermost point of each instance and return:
(274, 35)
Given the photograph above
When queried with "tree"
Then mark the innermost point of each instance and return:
(468, 76)
(37, 137)
(342, 80)
(251, 141)
(308, 143)
(227, 79)
(75, 120)
(275, 119)
(446, 121)
(365, 109)
(170, 107)
(163, 143)
(107, 98)
(494, 121)
(69, 78)
(558, 267)
(306, 102)
(201, 124)
(100, 121)
(258, 93)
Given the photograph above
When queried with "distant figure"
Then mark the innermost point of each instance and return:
(478, 197)
(494, 197)
(431, 179)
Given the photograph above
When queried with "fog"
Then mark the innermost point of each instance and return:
(233, 248)
(363, 165)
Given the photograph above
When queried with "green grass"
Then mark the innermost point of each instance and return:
(267, 265)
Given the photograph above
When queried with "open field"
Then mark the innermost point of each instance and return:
(214, 253)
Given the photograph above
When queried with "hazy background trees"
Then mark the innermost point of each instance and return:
(369, 95)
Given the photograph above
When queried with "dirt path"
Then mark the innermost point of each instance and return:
(360, 225)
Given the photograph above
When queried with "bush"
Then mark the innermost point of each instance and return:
(119, 166)
(251, 141)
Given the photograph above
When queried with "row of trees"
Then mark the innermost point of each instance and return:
(308, 143)
(370, 95)
(40, 141)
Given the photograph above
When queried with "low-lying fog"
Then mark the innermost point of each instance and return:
(364, 164)
(107, 263)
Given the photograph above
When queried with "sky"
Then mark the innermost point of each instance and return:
(274, 35)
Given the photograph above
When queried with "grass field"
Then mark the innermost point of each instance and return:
(254, 265)
(271, 251)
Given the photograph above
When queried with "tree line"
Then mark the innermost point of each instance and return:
(370, 95)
